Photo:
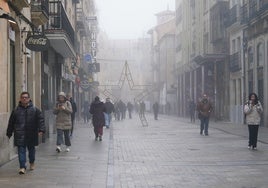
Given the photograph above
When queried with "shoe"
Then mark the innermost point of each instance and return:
(249, 147)
(201, 133)
(67, 149)
(96, 138)
(58, 149)
(100, 138)
(32, 166)
(254, 148)
(22, 171)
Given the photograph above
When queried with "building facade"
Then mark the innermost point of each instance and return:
(201, 54)
(20, 67)
(42, 52)
(163, 62)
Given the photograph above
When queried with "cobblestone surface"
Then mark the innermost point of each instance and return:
(168, 153)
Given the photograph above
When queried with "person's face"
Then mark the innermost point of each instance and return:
(24, 99)
(252, 98)
(61, 98)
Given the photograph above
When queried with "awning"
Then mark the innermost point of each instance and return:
(4, 6)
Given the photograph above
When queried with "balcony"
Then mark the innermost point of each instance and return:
(81, 23)
(218, 19)
(39, 12)
(233, 16)
(253, 11)
(235, 63)
(20, 4)
(59, 30)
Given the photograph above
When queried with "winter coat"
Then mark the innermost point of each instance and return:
(25, 123)
(63, 119)
(204, 108)
(253, 113)
(97, 109)
(109, 107)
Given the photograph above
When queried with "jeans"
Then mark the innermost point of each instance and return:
(108, 118)
(66, 134)
(204, 125)
(22, 155)
(253, 135)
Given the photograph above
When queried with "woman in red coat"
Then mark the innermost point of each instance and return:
(97, 109)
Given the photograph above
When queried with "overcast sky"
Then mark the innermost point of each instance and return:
(129, 19)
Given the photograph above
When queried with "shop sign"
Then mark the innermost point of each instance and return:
(37, 42)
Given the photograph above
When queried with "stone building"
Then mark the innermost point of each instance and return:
(20, 67)
(163, 62)
(201, 54)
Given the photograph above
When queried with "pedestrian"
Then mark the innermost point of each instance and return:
(74, 108)
(97, 109)
(85, 112)
(122, 108)
(204, 109)
(192, 108)
(108, 114)
(129, 109)
(27, 123)
(155, 109)
(142, 109)
(63, 111)
(253, 110)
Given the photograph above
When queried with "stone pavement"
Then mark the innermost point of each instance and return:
(168, 153)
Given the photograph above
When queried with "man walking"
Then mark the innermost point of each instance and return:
(155, 109)
(27, 123)
(204, 109)
(108, 114)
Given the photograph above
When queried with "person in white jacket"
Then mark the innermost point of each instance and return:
(253, 110)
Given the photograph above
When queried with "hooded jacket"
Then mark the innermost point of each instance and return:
(25, 123)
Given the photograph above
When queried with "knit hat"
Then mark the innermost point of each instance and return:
(62, 94)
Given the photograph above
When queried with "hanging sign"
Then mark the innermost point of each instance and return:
(37, 42)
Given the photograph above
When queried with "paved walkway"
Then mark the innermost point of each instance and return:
(168, 153)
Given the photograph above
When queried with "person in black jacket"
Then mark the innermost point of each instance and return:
(27, 123)
(109, 110)
(97, 109)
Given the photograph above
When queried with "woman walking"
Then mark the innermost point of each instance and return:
(97, 109)
(63, 111)
(253, 110)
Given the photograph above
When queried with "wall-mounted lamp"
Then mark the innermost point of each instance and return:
(9, 18)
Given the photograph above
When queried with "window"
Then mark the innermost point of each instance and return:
(260, 54)
(250, 58)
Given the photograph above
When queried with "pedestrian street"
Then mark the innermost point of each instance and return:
(168, 153)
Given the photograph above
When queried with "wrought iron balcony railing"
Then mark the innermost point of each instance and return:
(58, 20)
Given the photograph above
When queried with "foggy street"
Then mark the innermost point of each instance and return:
(170, 152)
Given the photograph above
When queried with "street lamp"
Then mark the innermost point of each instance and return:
(9, 18)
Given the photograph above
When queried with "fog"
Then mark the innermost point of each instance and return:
(130, 19)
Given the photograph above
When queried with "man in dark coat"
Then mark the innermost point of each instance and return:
(129, 109)
(155, 109)
(27, 123)
(204, 108)
(97, 109)
(109, 110)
